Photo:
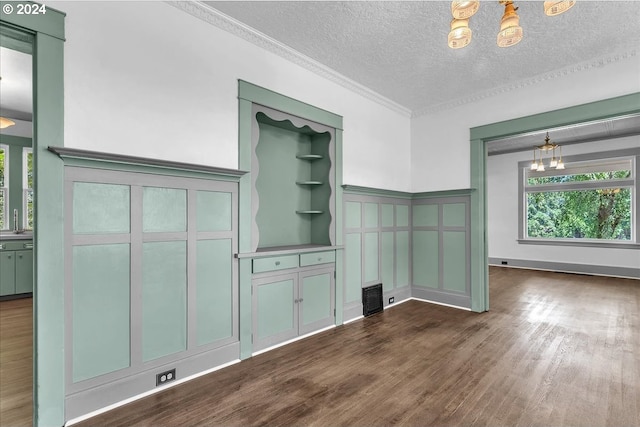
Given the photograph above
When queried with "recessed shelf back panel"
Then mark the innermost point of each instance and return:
(292, 183)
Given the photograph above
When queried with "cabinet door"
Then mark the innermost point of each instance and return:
(275, 310)
(316, 299)
(24, 271)
(7, 273)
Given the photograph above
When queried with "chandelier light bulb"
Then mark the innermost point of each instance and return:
(510, 30)
(553, 8)
(464, 9)
(460, 34)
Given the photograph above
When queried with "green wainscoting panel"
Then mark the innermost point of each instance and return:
(371, 215)
(164, 209)
(425, 215)
(316, 293)
(402, 259)
(454, 255)
(101, 208)
(425, 258)
(402, 215)
(164, 298)
(101, 310)
(371, 257)
(387, 255)
(353, 267)
(454, 214)
(214, 290)
(387, 215)
(353, 215)
(213, 211)
(275, 308)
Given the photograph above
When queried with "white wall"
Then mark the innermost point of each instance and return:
(440, 141)
(146, 79)
(502, 187)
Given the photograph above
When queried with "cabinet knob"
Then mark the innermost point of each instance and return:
(277, 262)
(300, 300)
(9, 256)
(319, 258)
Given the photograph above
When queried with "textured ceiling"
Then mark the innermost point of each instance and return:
(399, 48)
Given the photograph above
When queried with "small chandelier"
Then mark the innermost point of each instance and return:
(545, 149)
(5, 123)
(510, 33)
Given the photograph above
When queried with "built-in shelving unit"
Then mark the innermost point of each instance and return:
(293, 192)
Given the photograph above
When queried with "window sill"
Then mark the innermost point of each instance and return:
(583, 243)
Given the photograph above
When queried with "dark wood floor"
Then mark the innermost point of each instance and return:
(555, 350)
(16, 362)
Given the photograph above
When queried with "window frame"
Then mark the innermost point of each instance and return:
(25, 187)
(633, 183)
(5, 189)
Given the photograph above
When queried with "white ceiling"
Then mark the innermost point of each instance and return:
(399, 48)
(15, 85)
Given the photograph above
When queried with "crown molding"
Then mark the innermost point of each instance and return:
(562, 72)
(237, 28)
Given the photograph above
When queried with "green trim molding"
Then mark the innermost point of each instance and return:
(48, 129)
(100, 160)
(481, 135)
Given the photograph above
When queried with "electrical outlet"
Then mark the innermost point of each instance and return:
(504, 263)
(165, 377)
(391, 300)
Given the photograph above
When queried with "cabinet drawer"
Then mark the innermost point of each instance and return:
(317, 258)
(261, 265)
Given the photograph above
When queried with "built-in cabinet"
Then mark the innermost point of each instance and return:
(292, 152)
(16, 267)
(292, 298)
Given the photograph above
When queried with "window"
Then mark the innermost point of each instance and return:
(591, 202)
(4, 186)
(27, 188)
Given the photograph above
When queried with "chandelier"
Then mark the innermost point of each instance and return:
(510, 30)
(548, 148)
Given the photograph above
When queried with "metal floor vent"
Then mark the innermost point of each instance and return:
(372, 299)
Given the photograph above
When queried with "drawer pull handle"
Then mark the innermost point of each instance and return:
(300, 300)
(277, 262)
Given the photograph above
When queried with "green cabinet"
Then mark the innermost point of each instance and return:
(294, 302)
(16, 268)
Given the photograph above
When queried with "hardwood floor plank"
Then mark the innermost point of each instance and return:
(16, 362)
(555, 349)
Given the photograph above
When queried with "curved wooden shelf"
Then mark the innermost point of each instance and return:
(310, 212)
(309, 182)
(309, 157)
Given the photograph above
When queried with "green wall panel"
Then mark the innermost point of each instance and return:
(100, 208)
(370, 257)
(371, 215)
(101, 310)
(425, 258)
(164, 296)
(353, 215)
(164, 210)
(454, 214)
(214, 285)
(402, 215)
(275, 308)
(213, 211)
(387, 215)
(455, 261)
(387, 255)
(402, 258)
(316, 293)
(353, 267)
(425, 215)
